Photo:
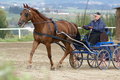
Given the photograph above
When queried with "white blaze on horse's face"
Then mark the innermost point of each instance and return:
(25, 17)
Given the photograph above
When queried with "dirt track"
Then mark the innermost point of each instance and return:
(18, 53)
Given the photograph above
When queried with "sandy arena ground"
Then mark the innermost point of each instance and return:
(18, 53)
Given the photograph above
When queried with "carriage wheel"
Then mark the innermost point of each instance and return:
(76, 60)
(91, 59)
(103, 59)
(116, 58)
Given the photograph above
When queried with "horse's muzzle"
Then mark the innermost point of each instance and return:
(21, 23)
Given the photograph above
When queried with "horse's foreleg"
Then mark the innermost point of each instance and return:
(67, 45)
(48, 47)
(34, 46)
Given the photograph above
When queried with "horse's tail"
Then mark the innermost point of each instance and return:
(78, 37)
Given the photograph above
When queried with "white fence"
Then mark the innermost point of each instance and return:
(31, 29)
(18, 29)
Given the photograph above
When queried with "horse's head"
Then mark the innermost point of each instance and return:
(25, 16)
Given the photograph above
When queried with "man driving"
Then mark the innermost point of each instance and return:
(97, 26)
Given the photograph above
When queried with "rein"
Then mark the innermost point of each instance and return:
(41, 22)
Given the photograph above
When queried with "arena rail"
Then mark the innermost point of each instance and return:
(31, 29)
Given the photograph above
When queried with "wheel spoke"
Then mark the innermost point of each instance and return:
(103, 59)
(105, 64)
(93, 62)
(91, 59)
(76, 60)
(100, 63)
(116, 58)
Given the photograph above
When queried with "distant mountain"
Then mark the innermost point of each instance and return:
(98, 4)
(80, 4)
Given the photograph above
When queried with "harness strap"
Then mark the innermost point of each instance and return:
(42, 22)
(56, 28)
(55, 25)
(63, 47)
(55, 37)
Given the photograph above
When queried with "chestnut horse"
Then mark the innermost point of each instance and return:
(42, 24)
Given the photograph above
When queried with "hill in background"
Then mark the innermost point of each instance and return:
(80, 4)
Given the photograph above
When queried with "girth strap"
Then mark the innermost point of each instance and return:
(55, 25)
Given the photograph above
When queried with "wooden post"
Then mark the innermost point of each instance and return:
(19, 33)
(117, 32)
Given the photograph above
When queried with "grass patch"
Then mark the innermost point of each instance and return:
(7, 72)
(16, 39)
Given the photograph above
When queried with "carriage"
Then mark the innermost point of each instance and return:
(99, 55)
(47, 31)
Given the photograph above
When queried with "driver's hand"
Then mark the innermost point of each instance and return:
(83, 27)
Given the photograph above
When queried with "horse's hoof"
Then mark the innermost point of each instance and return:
(53, 68)
(59, 65)
(29, 66)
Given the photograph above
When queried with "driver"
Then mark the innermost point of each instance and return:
(97, 26)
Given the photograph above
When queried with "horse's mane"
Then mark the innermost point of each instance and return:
(40, 14)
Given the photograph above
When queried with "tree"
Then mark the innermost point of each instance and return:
(15, 9)
(3, 23)
(118, 24)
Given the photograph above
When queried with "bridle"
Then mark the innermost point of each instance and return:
(38, 22)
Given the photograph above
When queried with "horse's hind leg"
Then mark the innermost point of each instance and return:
(68, 49)
(34, 46)
(48, 47)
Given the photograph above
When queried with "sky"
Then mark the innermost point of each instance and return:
(114, 3)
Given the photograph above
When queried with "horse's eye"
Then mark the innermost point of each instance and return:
(26, 14)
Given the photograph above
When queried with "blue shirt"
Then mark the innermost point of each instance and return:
(98, 25)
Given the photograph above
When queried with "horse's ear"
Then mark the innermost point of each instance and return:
(27, 6)
(24, 6)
